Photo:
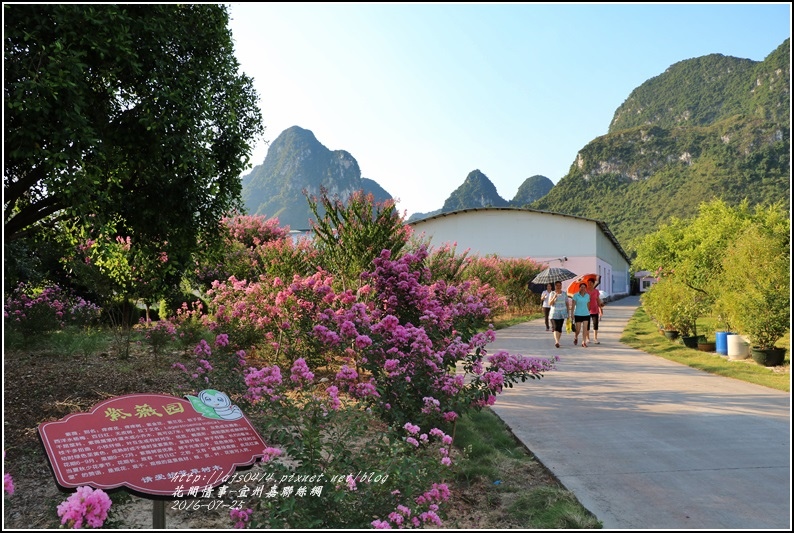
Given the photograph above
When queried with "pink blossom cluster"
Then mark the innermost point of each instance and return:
(202, 369)
(406, 333)
(254, 230)
(8, 484)
(270, 454)
(240, 517)
(49, 305)
(263, 383)
(85, 507)
(510, 363)
(8, 481)
(417, 439)
(300, 372)
(160, 328)
(402, 516)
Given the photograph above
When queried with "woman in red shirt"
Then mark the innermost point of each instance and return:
(596, 309)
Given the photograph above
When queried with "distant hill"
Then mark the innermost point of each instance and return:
(478, 191)
(533, 188)
(475, 191)
(709, 127)
(296, 161)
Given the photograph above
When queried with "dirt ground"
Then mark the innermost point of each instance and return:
(42, 387)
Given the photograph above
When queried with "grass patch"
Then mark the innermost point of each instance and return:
(507, 485)
(485, 440)
(552, 508)
(505, 320)
(641, 333)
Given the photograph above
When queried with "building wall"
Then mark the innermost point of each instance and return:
(511, 233)
(575, 243)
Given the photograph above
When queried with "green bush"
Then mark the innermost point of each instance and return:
(756, 290)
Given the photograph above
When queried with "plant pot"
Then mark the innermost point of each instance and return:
(707, 346)
(671, 334)
(691, 341)
(768, 356)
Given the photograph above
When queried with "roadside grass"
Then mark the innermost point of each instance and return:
(641, 333)
(505, 320)
(511, 488)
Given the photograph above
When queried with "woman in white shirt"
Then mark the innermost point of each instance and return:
(559, 302)
(544, 299)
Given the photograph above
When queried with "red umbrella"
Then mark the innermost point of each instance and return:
(573, 288)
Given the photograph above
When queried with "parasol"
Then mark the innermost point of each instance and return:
(553, 275)
(573, 288)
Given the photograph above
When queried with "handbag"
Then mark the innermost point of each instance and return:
(568, 327)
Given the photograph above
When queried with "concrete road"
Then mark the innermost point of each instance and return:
(646, 443)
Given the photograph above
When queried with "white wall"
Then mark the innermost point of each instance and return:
(512, 233)
(575, 243)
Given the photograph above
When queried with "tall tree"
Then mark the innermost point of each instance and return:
(131, 113)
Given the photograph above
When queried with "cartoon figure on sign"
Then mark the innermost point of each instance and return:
(215, 404)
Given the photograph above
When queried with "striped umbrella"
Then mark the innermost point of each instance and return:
(553, 274)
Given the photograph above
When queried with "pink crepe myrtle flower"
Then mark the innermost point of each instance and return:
(8, 484)
(411, 428)
(270, 453)
(346, 373)
(85, 507)
(300, 372)
(203, 348)
(333, 396)
(222, 340)
(240, 516)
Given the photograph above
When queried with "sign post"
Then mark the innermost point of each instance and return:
(153, 444)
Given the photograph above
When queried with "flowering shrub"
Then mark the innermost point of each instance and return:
(33, 311)
(384, 363)
(219, 360)
(362, 374)
(158, 334)
(350, 235)
(86, 506)
(397, 340)
(254, 246)
(324, 431)
(190, 324)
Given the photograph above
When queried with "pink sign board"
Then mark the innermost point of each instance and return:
(152, 443)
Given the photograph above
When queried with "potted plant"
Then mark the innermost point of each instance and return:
(706, 341)
(691, 304)
(756, 286)
(660, 303)
(682, 305)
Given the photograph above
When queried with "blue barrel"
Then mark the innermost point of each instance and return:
(722, 342)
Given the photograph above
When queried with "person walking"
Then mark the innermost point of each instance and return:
(581, 314)
(558, 300)
(544, 299)
(596, 307)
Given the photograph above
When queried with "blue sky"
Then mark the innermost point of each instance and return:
(422, 94)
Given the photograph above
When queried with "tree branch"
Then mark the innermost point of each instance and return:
(28, 216)
(14, 191)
